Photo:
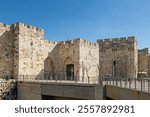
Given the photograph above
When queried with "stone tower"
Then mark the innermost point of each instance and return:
(118, 57)
(23, 50)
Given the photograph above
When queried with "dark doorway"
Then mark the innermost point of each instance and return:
(114, 69)
(47, 97)
(70, 71)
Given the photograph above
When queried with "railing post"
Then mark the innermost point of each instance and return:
(59, 77)
(42, 77)
(148, 85)
(125, 82)
(113, 81)
(75, 78)
(141, 85)
(135, 84)
(107, 81)
(56, 77)
(38, 78)
(129, 83)
(144, 85)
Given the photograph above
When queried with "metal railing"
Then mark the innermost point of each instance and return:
(57, 79)
(142, 84)
(130, 83)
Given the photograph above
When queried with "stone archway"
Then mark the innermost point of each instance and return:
(69, 69)
(48, 69)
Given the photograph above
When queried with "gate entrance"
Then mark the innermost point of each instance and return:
(70, 71)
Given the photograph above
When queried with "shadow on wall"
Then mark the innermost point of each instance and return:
(6, 54)
(40, 76)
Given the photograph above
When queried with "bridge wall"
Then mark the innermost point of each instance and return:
(119, 93)
(28, 91)
(34, 91)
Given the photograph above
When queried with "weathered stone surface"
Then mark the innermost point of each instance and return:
(118, 57)
(143, 63)
(24, 51)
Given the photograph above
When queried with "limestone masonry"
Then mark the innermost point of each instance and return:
(24, 51)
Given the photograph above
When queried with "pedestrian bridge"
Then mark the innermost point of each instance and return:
(127, 88)
(30, 88)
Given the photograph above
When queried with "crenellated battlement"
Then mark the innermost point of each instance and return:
(4, 25)
(117, 44)
(27, 26)
(88, 43)
(83, 42)
(145, 50)
(71, 41)
(49, 42)
(24, 51)
(117, 40)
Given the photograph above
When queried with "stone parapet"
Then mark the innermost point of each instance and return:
(28, 26)
(117, 40)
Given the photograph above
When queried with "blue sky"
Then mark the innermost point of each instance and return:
(88, 19)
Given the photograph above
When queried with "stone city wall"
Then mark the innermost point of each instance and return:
(24, 51)
(89, 61)
(118, 57)
(33, 50)
(143, 63)
(64, 53)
